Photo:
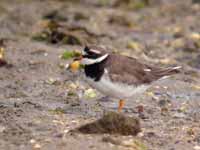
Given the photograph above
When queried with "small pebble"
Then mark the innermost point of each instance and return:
(197, 147)
(37, 146)
(66, 130)
(2, 128)
(32, 141)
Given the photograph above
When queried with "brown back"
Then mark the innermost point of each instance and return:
(130, 71)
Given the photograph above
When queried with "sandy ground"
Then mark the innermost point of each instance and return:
(40, 101)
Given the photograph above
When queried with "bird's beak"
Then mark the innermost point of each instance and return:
(76, 65)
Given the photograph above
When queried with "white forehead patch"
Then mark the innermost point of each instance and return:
(90, 61)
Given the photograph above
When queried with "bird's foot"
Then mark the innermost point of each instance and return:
(121, 105)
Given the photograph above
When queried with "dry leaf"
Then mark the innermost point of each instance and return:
(37, 146)
(151, 94)
(73, 86)
(2, 60)
(134, 45)
(196, 87)
(2, 53)
(135, 144)
(52, 81)
(195, 36)
(178, 43)
(90, 93)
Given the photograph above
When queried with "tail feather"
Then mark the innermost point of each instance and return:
(173, 70)
(166, 72)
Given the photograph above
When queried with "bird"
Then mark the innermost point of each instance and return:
(118, 76)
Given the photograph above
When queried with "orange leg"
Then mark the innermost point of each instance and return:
(120, 105)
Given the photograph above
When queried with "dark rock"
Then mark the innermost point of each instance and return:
(112, 123)
(2, 63)
(54, 15)
(196, 1)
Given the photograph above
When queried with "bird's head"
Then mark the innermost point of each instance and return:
(92, 55)
(89, 56)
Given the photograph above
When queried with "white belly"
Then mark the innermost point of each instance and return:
(116, 90)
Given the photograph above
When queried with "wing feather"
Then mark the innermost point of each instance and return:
(131, 71)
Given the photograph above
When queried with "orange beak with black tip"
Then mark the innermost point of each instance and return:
(75, 65)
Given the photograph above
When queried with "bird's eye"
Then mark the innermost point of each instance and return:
(91, 53)
(86, 49)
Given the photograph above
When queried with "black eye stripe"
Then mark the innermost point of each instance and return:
(91, 53)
